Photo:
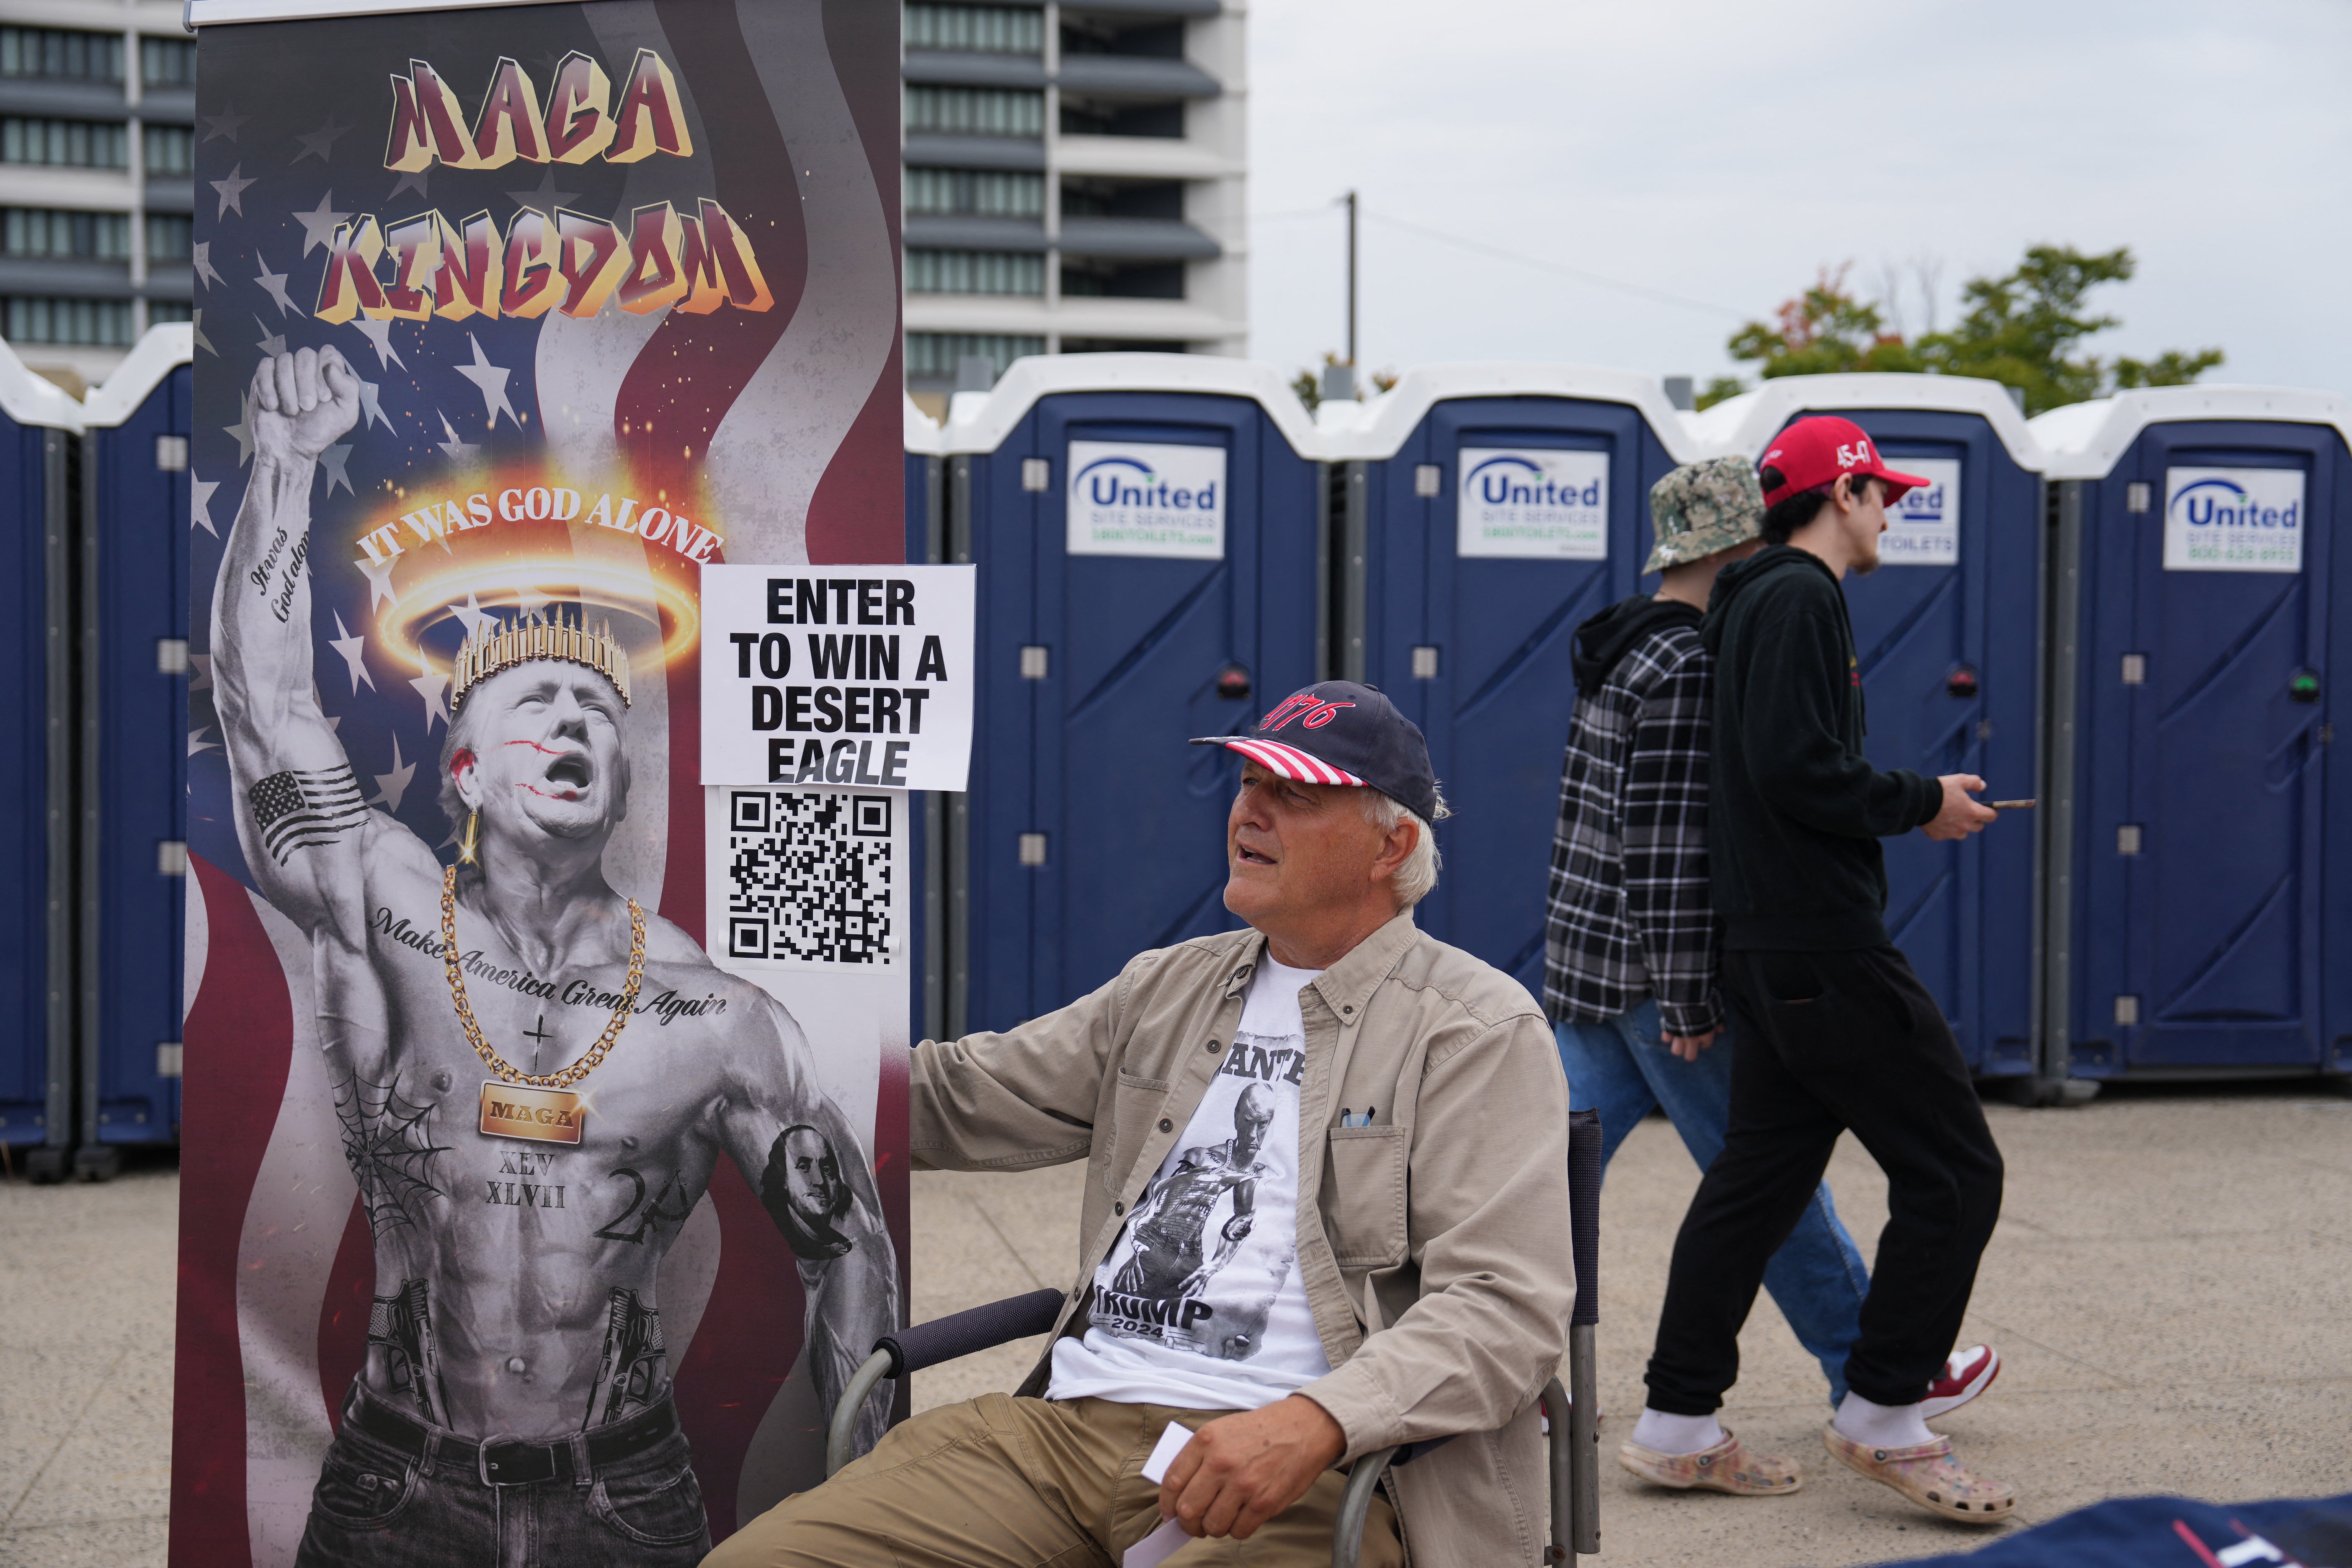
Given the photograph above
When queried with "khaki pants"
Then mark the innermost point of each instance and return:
(1023, 1483)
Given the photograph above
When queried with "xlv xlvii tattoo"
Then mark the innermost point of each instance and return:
(388, 1142)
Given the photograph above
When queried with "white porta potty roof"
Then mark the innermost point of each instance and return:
(1739, 426)
(1378, 428)
(163, 350)
(981, 422)
(2086, 439)
(922, 432)
(29, 399)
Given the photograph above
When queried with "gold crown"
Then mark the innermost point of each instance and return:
(536, 637)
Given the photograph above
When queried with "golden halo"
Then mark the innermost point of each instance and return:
(565, 581)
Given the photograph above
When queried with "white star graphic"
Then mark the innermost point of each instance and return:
(529, 599)
(379, 332)
(434, 686)
(412, 181)
(454, 450)
(243, 430)
(391, 786)
(371, 409)
(272, 344)
(319, 144)
(202, 663)
(196, 741)
(319, 223)
(205, 272)
(491, 381)
(224, 123)
(196, 326)
(335, 460)
(473, 619)
(276, 283)
(545, 199)
(379, 583)
(200, 503)
(231, 192)
(353, 648)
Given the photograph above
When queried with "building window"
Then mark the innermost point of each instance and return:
(167, 62)
(984, 193)
(162, 310)
(85, 323)
(171, 236)
(79, 144)
(43, 234)
(60, 56)
(980, 29)
(937, 354)
(975, 112)
(170, 149)
(974, 272)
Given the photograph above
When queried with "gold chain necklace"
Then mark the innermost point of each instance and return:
(590, 1059)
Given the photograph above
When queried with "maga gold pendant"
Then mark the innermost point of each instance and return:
(541, 1115)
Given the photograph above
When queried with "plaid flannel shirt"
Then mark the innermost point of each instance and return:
(1630, 912)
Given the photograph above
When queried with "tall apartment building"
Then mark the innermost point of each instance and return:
(1076, 175)
(97, 103)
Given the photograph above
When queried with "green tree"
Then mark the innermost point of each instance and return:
(2022, 330)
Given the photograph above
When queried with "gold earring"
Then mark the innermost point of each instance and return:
(472, 836)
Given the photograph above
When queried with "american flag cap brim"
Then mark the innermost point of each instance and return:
(1283, 762)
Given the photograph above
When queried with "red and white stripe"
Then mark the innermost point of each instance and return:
(1290, 763)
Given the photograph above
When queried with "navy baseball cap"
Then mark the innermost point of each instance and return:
(1338, 732)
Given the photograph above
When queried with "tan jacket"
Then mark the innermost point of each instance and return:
(1439, 1276)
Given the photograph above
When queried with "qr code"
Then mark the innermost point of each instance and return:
(810, 874)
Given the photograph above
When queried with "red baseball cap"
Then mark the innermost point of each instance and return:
(1816, 452)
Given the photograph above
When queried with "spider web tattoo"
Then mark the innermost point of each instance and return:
(388, 1142)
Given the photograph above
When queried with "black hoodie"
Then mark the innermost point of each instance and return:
(1601, 641)
(1796, 810)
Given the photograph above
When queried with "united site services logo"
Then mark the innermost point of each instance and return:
(2233, 520)
(1130, 499)
(1533, 504)
(1922, 528)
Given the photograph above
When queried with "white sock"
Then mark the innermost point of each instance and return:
(1881, 1425)
(1663, 1433)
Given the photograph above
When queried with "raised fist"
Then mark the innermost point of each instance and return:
(302, 402)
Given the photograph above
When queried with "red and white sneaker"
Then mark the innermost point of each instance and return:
(1968, 1374)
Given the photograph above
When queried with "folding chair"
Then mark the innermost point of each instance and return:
(1572, 1443)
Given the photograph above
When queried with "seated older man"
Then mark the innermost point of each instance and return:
(1329, 1213)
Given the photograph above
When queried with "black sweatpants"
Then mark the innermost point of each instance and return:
(1829, 1042)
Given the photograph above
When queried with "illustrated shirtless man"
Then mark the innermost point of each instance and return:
(1173, 1215)
(515, 1399)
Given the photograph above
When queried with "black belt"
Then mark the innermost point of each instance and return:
(503, 1461)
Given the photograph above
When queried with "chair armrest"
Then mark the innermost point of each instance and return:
(929, 1344)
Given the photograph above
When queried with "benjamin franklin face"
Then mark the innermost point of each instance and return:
(813, 1176)
(545, 741)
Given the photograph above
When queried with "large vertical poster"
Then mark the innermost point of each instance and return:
(522, 1223)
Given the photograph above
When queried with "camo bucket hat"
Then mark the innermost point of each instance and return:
(1702, 508)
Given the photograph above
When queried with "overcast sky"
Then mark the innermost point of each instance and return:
(1721, 152)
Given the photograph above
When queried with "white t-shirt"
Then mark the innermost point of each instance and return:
(1199, 1304)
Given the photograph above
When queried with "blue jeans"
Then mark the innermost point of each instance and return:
(1623, 1070)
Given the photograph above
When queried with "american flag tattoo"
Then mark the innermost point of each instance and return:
(297, 809)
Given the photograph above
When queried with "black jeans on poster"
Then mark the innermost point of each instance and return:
(1830, 1042)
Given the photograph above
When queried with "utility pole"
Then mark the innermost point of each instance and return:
(1351, 199)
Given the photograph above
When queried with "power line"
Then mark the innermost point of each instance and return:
(1578, 273)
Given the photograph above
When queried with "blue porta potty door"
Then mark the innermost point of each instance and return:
(1946, 631)
(37, 431)
(1489, 510)
(1146, 530)
(2205, 873)
(134, 674)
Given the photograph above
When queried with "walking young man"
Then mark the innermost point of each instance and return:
(1630, 948)
(1837, 1033)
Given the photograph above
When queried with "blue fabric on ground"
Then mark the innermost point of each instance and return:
(2173, 1532)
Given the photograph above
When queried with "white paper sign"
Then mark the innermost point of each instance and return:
(856, 676)
(2233, 520)
(1133, 498)
(1162, 1543)
(1533, 504)
(1923, 529)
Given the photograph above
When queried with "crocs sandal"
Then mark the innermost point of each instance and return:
(1928, 1475)
(1726, 1467)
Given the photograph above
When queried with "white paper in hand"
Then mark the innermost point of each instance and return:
(1162, 1543)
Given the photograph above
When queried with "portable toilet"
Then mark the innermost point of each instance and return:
(1488, 509)
(1946, 634)
(2200, 872)
(927, 822)
(133, 674)
(38, 431)
(1148, 529)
